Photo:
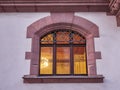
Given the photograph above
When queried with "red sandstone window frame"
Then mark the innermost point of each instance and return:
(63, 21)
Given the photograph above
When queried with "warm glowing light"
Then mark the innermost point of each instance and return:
(44, 62)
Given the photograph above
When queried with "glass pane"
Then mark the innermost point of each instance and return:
(79, 60)
(62, 37)
(48, 39)
(77, 39)
(46, 60)
(63, 60)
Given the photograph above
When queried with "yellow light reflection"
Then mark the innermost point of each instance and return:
(44, 62)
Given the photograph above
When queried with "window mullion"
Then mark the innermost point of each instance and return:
(71, 55)
(54, 53)
(71, 60)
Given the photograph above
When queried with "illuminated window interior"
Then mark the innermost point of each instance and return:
(63, 52)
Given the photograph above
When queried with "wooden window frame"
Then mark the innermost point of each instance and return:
(63, 21)
(71, 45)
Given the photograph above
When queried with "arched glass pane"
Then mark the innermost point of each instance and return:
(77, 39)
(48, 39)
(63, 37)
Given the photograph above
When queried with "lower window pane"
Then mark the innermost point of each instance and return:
(46, 60)
(79, 60)
(63, 60)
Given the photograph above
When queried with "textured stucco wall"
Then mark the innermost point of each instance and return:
(13, 45)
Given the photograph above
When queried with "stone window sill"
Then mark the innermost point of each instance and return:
(63, 79)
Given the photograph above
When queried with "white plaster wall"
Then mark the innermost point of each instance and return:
(13, 45)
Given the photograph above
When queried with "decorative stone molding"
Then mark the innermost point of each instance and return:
(28, 55)
(58, 21)
(53, 5)
(64, 79)
(118, 20)
(114, 7)
(98, 55)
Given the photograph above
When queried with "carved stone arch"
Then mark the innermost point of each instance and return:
(58, 21)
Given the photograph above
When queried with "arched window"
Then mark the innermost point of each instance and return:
(63, 52)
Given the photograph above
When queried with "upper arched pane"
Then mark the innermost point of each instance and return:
(63, 37)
